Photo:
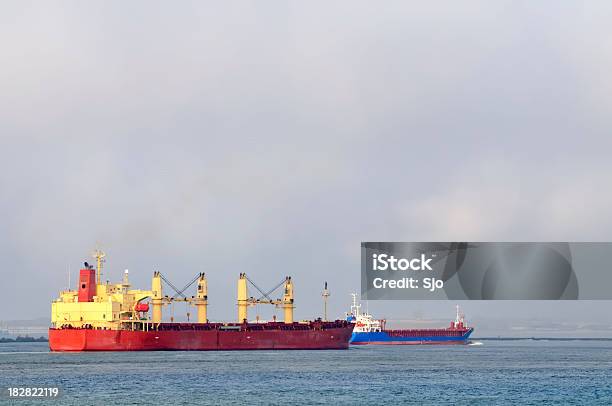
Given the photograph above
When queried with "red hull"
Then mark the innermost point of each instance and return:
(192, 337)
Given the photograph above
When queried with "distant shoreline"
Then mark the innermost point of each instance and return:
(26, 339)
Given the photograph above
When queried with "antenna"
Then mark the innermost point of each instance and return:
(99, 257)
(69, 277)
(325, 295)
(355, 307)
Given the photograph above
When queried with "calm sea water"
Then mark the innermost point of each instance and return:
(526, 372)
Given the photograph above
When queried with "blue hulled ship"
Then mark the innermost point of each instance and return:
(369, 330)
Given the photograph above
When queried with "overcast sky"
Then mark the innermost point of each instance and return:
(273, 137)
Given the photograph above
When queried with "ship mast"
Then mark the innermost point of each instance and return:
(325, 295)
(99, 257)
(355, 307)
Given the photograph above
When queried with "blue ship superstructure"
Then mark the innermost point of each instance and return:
(369, 330)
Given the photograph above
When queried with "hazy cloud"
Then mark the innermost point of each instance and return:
(272, 138)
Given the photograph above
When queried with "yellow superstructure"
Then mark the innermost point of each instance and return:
(117, 304)
(112, 305)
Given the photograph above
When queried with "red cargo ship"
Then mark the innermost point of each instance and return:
(113, 317)
(316, 335)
